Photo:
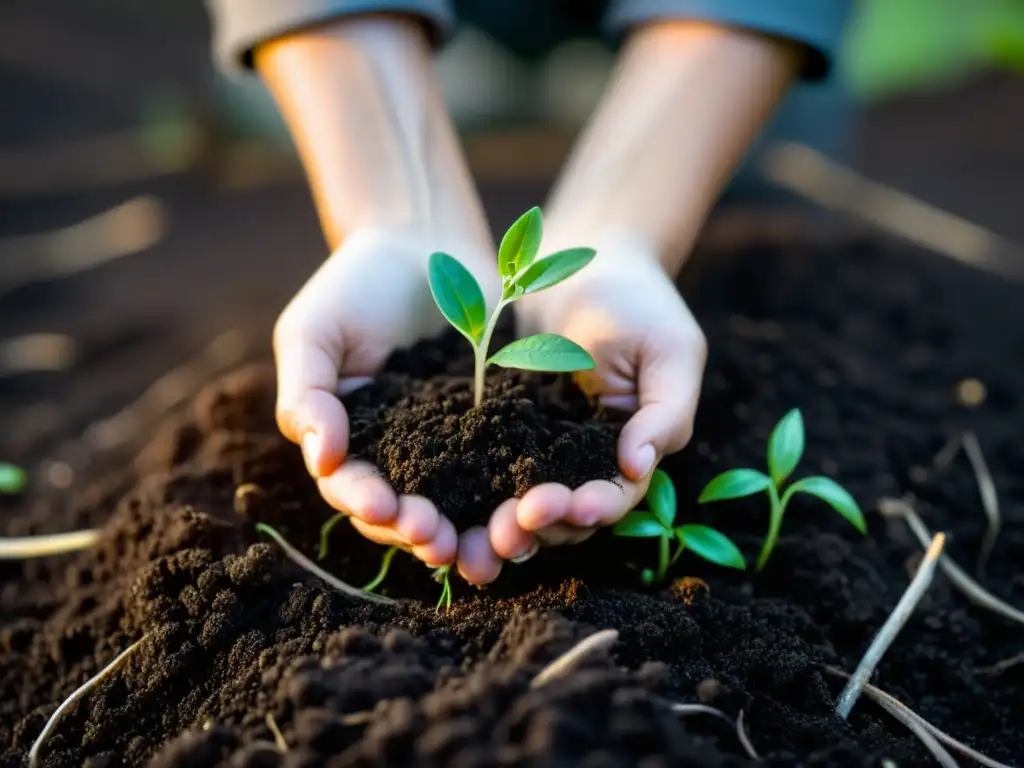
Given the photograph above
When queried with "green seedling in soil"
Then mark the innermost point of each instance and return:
(657, 523)
(385, 566)
(785, 447)
(461, 301)
(13, 479)
(442, 576)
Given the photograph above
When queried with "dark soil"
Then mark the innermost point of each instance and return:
(418, 424)
(869, 339)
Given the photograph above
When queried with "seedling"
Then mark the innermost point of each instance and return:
(461, 301)
(657, 523)
(385, 566)
(442, 576)
(785, 447)
(13, 479)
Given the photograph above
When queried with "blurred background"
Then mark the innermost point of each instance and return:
(154, 219)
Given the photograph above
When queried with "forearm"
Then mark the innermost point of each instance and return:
(363, 104)
(685, 103)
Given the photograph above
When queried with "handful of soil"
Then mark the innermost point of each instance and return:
(417, 423)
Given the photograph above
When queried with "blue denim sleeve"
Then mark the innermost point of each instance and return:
(817, 24)
(241, 25)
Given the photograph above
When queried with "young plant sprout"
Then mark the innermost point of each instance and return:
(785, 447)
(13, 479)
(461, 301)
(385, 566)
(657, 523)
(442, 576)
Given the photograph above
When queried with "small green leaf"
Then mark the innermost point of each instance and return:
(13, 479)
(833, 494)
(639, 524)
(786, 446)
(712, 545)
(735, 484)
(458, 296)
(661, 497)
(554, 268)
(544, 352)
(520, 244)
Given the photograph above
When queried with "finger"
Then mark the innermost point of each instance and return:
(563, 534)
(385, 535)
(356, 489)
(478, 564)
(508, 540)
(669, 384)
(442, 549)
(542, 506)
(307, 410)
(620, 402)
(417, 521)
(604, 502)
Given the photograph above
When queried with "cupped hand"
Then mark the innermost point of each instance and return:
(370, 297)
(650, 355)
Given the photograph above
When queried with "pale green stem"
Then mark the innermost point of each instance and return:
(325, 532)
(480, 352)
(663, 556)
(774, 526)
(384, 567)
(678, 554)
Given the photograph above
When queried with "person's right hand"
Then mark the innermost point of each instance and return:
(370, 297)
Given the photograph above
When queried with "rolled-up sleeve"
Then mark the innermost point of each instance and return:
(818, 25)
(239, 26)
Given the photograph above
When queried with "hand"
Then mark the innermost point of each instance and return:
(368, 298)
(650, 356)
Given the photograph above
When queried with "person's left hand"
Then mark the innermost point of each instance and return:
(650, 356)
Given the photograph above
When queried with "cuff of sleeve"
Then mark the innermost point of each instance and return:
(816, 24)
(241, 25)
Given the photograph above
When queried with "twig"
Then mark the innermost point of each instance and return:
(25, 547)
(565, 663)
(989, 498)
(279, 743)
(33, 753)
(974, 592)
(704, 709)
(892, 626)
(905, 715)
(304, 562)
(1001, 666)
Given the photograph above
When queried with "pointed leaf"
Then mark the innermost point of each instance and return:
(735, 484)
(544, 352)
(554, 268)
(786, 446)
(520, 244)
(712, 545)
(458, 296)
(639, 524)
(833, 494)
(661, 497)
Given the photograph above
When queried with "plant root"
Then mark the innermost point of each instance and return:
(977, 594)
(906, 715)
(568, 661)
(305, 563)
(26, 547)
(703, 709)
(891, 628)
(279, 742)
(88, 685)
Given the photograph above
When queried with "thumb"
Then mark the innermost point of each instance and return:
(308, 410)
(669, 382)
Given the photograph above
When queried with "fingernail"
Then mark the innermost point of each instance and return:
(645, 459)
(518, 559)
(311, 452)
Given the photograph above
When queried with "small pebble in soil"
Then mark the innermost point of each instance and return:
(971, 393)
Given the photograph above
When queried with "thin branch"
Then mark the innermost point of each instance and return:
(305, 563)
(704, 709)
(565, 663)
(904, 714)
(977, 594)
(33, 753)
(989, 498)
(25, 547)
(891, 628)
(1001, 666)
